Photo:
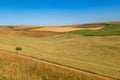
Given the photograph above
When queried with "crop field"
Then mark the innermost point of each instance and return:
(94, 51)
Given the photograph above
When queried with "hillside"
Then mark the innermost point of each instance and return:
(108, 30)
(19, 67)
(41, 31)
(93, 25)
(99, 54)
(24, 31)
(91, 49)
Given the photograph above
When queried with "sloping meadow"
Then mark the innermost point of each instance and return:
(18, 68)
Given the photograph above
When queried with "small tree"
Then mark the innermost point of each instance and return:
(18, 49)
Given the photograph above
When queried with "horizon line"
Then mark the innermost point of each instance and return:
(65, 25)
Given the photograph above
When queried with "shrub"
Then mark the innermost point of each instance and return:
(18, 49)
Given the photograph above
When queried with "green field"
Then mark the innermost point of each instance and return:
(99, 54)
(108, 30)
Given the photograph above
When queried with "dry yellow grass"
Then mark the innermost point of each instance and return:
(99, 54)
(96, 54)
(13, 67)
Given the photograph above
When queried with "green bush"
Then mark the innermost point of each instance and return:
(18, 49)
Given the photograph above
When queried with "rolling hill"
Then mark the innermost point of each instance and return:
(97, 54)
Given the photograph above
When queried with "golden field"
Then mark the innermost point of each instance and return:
(94, 57)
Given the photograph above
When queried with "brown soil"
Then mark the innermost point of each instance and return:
(24, 31)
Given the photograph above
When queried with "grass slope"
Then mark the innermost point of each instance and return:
(109, 30)
(98, 54)
(14, 67)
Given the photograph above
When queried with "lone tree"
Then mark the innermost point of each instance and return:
(18, 49)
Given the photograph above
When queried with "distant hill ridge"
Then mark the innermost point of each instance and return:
(87, 25)
(102, 24)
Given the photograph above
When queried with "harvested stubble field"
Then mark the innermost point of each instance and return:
(63, 29)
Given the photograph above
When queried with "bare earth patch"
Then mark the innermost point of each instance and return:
(64, 29)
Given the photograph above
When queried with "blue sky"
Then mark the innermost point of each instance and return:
(58, 12)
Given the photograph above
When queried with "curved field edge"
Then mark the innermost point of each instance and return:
(14, 67)
(108, 30)
(98, 54)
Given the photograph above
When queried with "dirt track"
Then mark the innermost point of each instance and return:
(62, 66)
